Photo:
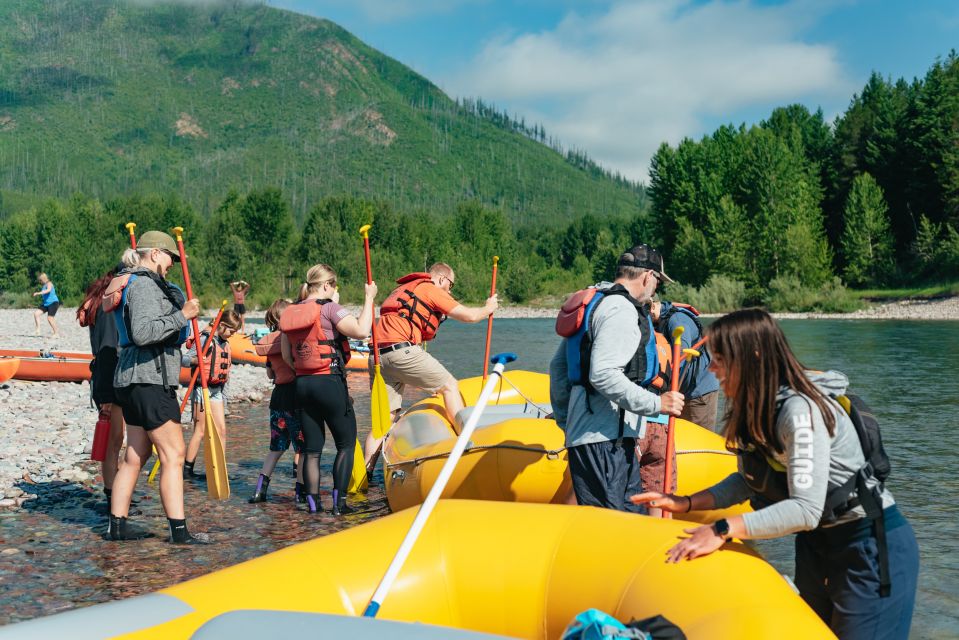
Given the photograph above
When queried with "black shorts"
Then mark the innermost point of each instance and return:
(102, 369)
(50, 309)
(239, 308)
(606, 474)
(148, 405)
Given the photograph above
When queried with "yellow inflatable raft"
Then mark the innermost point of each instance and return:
(518, 570)
(517, 454)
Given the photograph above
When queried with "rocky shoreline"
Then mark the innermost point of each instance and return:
(48, 426)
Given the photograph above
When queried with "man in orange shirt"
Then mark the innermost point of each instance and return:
(410, 316)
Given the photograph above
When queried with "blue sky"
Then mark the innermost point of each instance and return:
(617, 78)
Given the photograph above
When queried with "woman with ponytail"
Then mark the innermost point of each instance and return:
(315, 343)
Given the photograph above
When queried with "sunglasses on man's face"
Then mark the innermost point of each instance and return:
(450, 281)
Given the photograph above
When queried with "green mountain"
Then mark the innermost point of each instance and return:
(115, 97)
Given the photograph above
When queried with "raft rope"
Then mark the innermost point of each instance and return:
(523, 396)
(551, 454)
(716, 451)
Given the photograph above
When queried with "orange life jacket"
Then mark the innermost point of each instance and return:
(404, 302)
(269, 346)
(216, 361)
(313, 353)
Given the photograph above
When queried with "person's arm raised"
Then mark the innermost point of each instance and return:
(359, 328)
(475, 314)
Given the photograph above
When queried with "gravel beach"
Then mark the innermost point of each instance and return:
(48, 426)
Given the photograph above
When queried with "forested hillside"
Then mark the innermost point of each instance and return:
(118, 97)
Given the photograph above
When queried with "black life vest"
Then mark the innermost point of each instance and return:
(767, 478)
(573, 323)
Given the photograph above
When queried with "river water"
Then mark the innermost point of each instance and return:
(52, 556)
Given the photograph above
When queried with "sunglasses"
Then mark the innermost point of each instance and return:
(451, 281)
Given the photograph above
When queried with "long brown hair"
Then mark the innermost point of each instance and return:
(87, 311)
(755, 352)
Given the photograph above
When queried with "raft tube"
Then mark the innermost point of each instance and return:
(8, 367)
(517, 454)
(517, 570)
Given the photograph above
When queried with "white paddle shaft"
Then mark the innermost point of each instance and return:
(434, 495)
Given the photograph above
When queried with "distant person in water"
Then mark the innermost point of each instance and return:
(240, 288)
(49, 303)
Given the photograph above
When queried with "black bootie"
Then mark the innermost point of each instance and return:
(179, 534)
(313, 504)
(119, 529)
(188, 472)
(262, 484)
(299, 493)
(340, 508)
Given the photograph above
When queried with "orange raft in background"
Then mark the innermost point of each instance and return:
(243, 351)
(8, 367)
(55, 366)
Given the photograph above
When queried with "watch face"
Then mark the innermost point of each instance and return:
(722, 528)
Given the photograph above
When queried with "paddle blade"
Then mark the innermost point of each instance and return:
(217, 480)
(358, 480)
(380, 401)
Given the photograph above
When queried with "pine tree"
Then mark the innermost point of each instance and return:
(867, 243)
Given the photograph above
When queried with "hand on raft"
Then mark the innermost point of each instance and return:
(703, 540)
(672, 403)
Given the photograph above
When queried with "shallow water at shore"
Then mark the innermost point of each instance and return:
(58, 560)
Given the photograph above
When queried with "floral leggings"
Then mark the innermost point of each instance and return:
(284, 430)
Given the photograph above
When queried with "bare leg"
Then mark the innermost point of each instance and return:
(138, 451)
(199, 428)
(452, 399)
(217, 408)
(114, 441)
(53, 325)
(168, 440)
(36, 319)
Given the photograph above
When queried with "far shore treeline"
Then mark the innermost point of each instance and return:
(784, 213)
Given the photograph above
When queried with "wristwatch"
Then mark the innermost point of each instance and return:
(721, 527)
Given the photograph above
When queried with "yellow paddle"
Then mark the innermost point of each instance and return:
(217, 480)
(379, 399)
(189, 389)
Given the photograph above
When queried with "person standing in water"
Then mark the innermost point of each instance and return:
(152, 321)
(49, 303)
(240, 288)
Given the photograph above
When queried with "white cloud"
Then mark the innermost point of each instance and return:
(621, 82)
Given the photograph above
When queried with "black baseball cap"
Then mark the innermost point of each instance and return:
(644, 256)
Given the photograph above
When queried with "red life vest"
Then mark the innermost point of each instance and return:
(313, 353)
(404, 302)
(217, 359)
(269, 346)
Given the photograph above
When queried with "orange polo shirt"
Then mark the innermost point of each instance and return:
(391, 328)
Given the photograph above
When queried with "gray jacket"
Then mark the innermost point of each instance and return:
(153, 319)
(614, 328)
(815, 463)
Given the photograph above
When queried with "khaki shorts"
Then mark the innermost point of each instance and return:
(410, 366)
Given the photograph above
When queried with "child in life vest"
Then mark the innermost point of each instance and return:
(217, 362)
(284, 423)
